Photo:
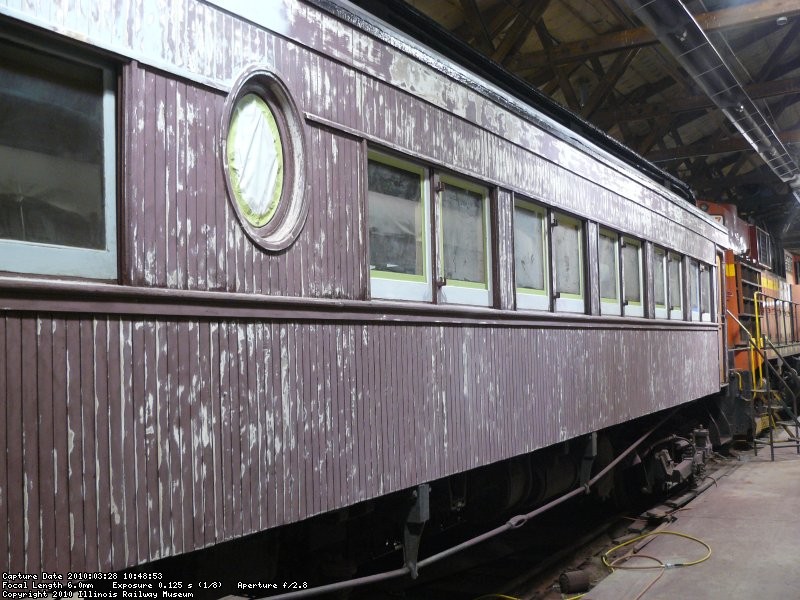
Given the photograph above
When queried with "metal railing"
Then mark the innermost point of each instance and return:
(777, 319)
(758, 345)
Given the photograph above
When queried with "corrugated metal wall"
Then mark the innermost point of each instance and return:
(130, 440)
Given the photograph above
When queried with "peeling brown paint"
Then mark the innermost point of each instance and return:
(132, 437)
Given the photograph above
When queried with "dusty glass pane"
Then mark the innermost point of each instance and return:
(51, 149)
(396, 220)
(705, 291)
(464, 250)
(529, 249)
(630, 263)
(675, 300)
(659, 276)
(694, 292)
(608, 267)
(567, 258)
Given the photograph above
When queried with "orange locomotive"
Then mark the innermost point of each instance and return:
(762, 313)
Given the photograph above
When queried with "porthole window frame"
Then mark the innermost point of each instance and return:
(285, 225)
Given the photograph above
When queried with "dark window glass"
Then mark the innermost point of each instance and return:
(464, 244)
(529, 252)
(659, 277)
(675, 297)
(51, 149)
(705, 290)
(632, 267)
(609, 271)
(396, 220)
(567, 256)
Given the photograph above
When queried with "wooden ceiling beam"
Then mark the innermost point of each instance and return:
(499, 20)
(720, 20)
(607, 83)
(775, 57)
(616, 12)
(756, 176)
(548, 87)
(657, 131)
(477, 26)
(729, 144)
(651, 110)
(520, 29)
(496, 18)
(561, 74)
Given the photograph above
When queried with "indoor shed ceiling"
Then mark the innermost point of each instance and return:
(597, 59)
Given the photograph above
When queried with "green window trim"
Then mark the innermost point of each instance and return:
(532, 291)
(562, 220)
(467, 284)
(484, 193)
(569, 296)
(423, 214)
(397, 276)
(615, 300)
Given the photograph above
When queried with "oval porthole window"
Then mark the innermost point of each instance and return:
(263, 159)
(255, 159)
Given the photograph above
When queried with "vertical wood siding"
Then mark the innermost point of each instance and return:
(133, 439)
(183, 231)
(361, 82)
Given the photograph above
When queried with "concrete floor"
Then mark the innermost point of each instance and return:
(751, 520)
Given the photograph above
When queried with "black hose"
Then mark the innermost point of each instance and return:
(512, 523)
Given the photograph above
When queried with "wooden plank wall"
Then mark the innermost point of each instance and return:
(134, 438)
(386, 88)
(130, 440)
(182, 231)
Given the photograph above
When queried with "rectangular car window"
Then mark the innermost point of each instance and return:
(659, 278)
(631, 262)
(609, 267)
(675, 286)
(399, 226)
(529, 248)
(396, 220)
(464, 244)
(57, 164)
(567, 242)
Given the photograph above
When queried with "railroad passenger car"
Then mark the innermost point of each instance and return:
(262, 261)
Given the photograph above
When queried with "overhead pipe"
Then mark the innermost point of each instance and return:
(679, 32)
